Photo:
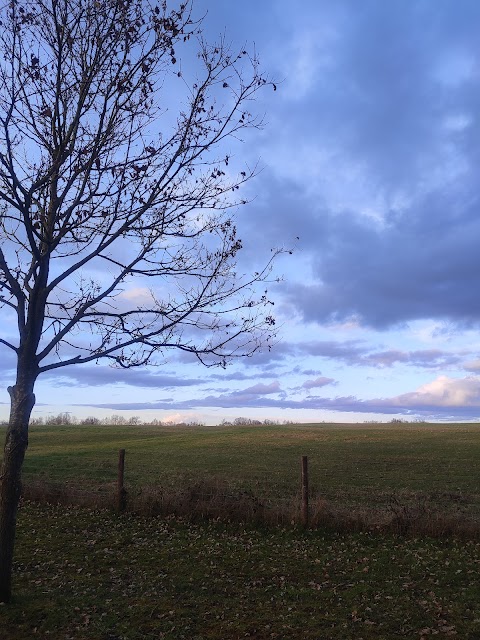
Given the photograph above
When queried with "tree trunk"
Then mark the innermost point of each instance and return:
(16, 442)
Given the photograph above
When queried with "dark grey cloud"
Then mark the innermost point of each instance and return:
(417, 268)
(425, 358)
(391, 74)
(419, 263)
(321, 381)
(239, 375)
(390, 117)
(259, 389)
(308, 372)
(351, 351)
(269, 357)
(358, 353)
(250, 396)
(95, 376)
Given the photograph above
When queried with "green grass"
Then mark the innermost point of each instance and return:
(85, 574)
(88, 574)
(357, 464)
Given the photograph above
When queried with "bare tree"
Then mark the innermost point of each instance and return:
(107, 178)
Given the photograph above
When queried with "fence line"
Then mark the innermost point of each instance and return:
(304, 477)
(267, 502)
(121, 491)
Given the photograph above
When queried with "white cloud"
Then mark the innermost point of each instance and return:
(457, 122)
(137, 295)
(443, 392)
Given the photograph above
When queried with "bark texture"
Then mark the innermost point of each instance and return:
(16, 442)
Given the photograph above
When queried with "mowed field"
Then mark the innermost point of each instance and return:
(93, 574)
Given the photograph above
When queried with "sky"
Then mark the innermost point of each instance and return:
(370, 156)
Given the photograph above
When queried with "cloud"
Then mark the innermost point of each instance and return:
(443, 398)
(359, 353)
(427, 358)
(260, 389)
(454, 393)
(472, 365)
(409, 271)
(350, 351)
(136, 296)
(251, 396)
(239, 375)
(318, 382)
(381, 183)
(307, 372)
(95, 376)
(371, 157)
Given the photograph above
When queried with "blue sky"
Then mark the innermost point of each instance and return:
(371, 156)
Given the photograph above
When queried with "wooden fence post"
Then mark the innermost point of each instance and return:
(121, 491)
(305, 491)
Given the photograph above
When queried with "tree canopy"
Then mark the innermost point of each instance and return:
(117, 190)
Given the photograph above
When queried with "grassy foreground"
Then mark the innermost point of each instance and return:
(90, 574)
(83, 574)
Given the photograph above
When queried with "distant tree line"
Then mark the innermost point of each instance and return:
(251, 422)
(66, 419)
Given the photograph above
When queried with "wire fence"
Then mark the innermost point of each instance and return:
(268, 497)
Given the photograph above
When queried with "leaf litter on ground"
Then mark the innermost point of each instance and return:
(92, 574)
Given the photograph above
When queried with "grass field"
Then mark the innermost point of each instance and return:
(349, 464)
(415, 457)
(91, 574)
(94, 575)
